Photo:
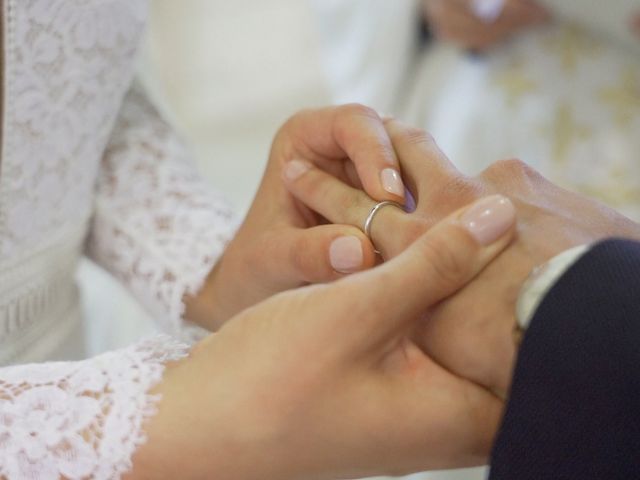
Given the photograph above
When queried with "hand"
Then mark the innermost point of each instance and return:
(281, 245)
(326, 381)
(457, 22)
(472, 333)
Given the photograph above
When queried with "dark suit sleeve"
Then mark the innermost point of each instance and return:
(574, 408)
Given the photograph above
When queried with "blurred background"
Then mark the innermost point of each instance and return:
(489, 79)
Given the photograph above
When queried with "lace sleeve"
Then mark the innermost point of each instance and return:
(157, 226)
(80, 419)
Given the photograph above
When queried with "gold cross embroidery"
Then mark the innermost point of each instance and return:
(624, 98)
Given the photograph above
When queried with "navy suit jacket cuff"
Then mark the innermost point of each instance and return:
(573, 408)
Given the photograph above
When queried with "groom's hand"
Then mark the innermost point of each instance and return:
(471, 333)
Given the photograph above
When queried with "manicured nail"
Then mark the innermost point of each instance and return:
(295, 168)
(392, 182)
(345, 254)
(489, 219)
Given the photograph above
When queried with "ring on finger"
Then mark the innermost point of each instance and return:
(372, 214)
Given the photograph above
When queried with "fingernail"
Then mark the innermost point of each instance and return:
(489, 219)
(295, 168)
(345, 254)
(392, 182)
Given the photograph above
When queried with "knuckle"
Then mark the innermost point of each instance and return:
(288, 134)
(360, 127)
(512, 168)
(295, 119)
(381, 151)
(414, 136)
(359, 110)
(512, 176)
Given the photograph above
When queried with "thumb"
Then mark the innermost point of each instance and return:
(323, 253)
(434, 267)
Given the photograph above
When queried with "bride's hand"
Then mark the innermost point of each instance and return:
(471, 333)
(457, 21)
(326, 381)
(281, 245)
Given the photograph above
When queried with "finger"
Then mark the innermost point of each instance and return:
(352, 131)
(352, 176)
(471, 415)
(323, 253)
(342, 204)
(423, 164)
(437, 265)
(325, 194)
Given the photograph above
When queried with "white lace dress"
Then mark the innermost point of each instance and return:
(87, 166)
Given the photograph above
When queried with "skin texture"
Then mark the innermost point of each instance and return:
(455, 21)
(472, 333)
(328, 381)
(278, 246)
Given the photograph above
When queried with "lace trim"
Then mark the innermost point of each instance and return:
(157, 226)
(82, 419)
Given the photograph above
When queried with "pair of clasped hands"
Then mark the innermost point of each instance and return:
(331, 363)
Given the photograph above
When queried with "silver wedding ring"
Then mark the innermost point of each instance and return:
(372, 214)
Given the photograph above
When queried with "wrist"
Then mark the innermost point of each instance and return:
(205, 427)
(206, 308)
(541, 280)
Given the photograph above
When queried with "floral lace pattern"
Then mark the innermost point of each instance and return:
(80, 419)
(82, 158)
(157, 226)
(68, 65)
